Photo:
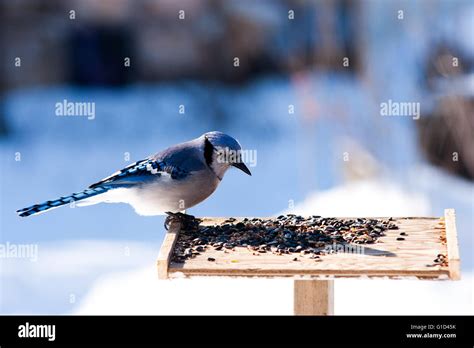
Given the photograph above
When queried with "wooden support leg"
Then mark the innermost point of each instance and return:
(314, 297)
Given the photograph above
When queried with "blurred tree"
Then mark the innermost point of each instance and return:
(447, 136)
(97, 53)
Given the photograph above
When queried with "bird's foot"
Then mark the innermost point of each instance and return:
(185, 220)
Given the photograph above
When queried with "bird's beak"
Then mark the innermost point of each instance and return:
(242, 167)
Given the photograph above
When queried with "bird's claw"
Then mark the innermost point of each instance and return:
(183, 219)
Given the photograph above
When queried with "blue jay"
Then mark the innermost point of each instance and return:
(168, 182)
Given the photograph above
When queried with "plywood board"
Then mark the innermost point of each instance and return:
(426, 238)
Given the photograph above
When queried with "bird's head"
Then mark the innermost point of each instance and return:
(221, 151)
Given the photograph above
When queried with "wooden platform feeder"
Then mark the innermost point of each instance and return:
(413, 257)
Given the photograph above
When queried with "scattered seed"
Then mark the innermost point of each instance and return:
(287, 234)
(211, 259)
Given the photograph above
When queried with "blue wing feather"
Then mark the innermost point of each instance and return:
(139, 172)
(177, 162)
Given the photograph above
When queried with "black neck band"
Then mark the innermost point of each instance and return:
(208, 151)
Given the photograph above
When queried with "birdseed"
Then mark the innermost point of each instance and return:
(287, 234)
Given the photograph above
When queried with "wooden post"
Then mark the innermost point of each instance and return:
(314, 297)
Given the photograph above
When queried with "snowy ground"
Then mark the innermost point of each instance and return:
(119, 277)
(100, 260)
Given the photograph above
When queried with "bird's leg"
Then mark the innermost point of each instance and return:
(185, 219)
(169, 219)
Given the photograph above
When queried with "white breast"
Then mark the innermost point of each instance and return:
(167, 194)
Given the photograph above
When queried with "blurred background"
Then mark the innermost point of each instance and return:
(300, 82)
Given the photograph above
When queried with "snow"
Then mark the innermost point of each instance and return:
(365, 198)
(100, 259)
(119, 277)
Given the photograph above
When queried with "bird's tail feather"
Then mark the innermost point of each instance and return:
(78, 196)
